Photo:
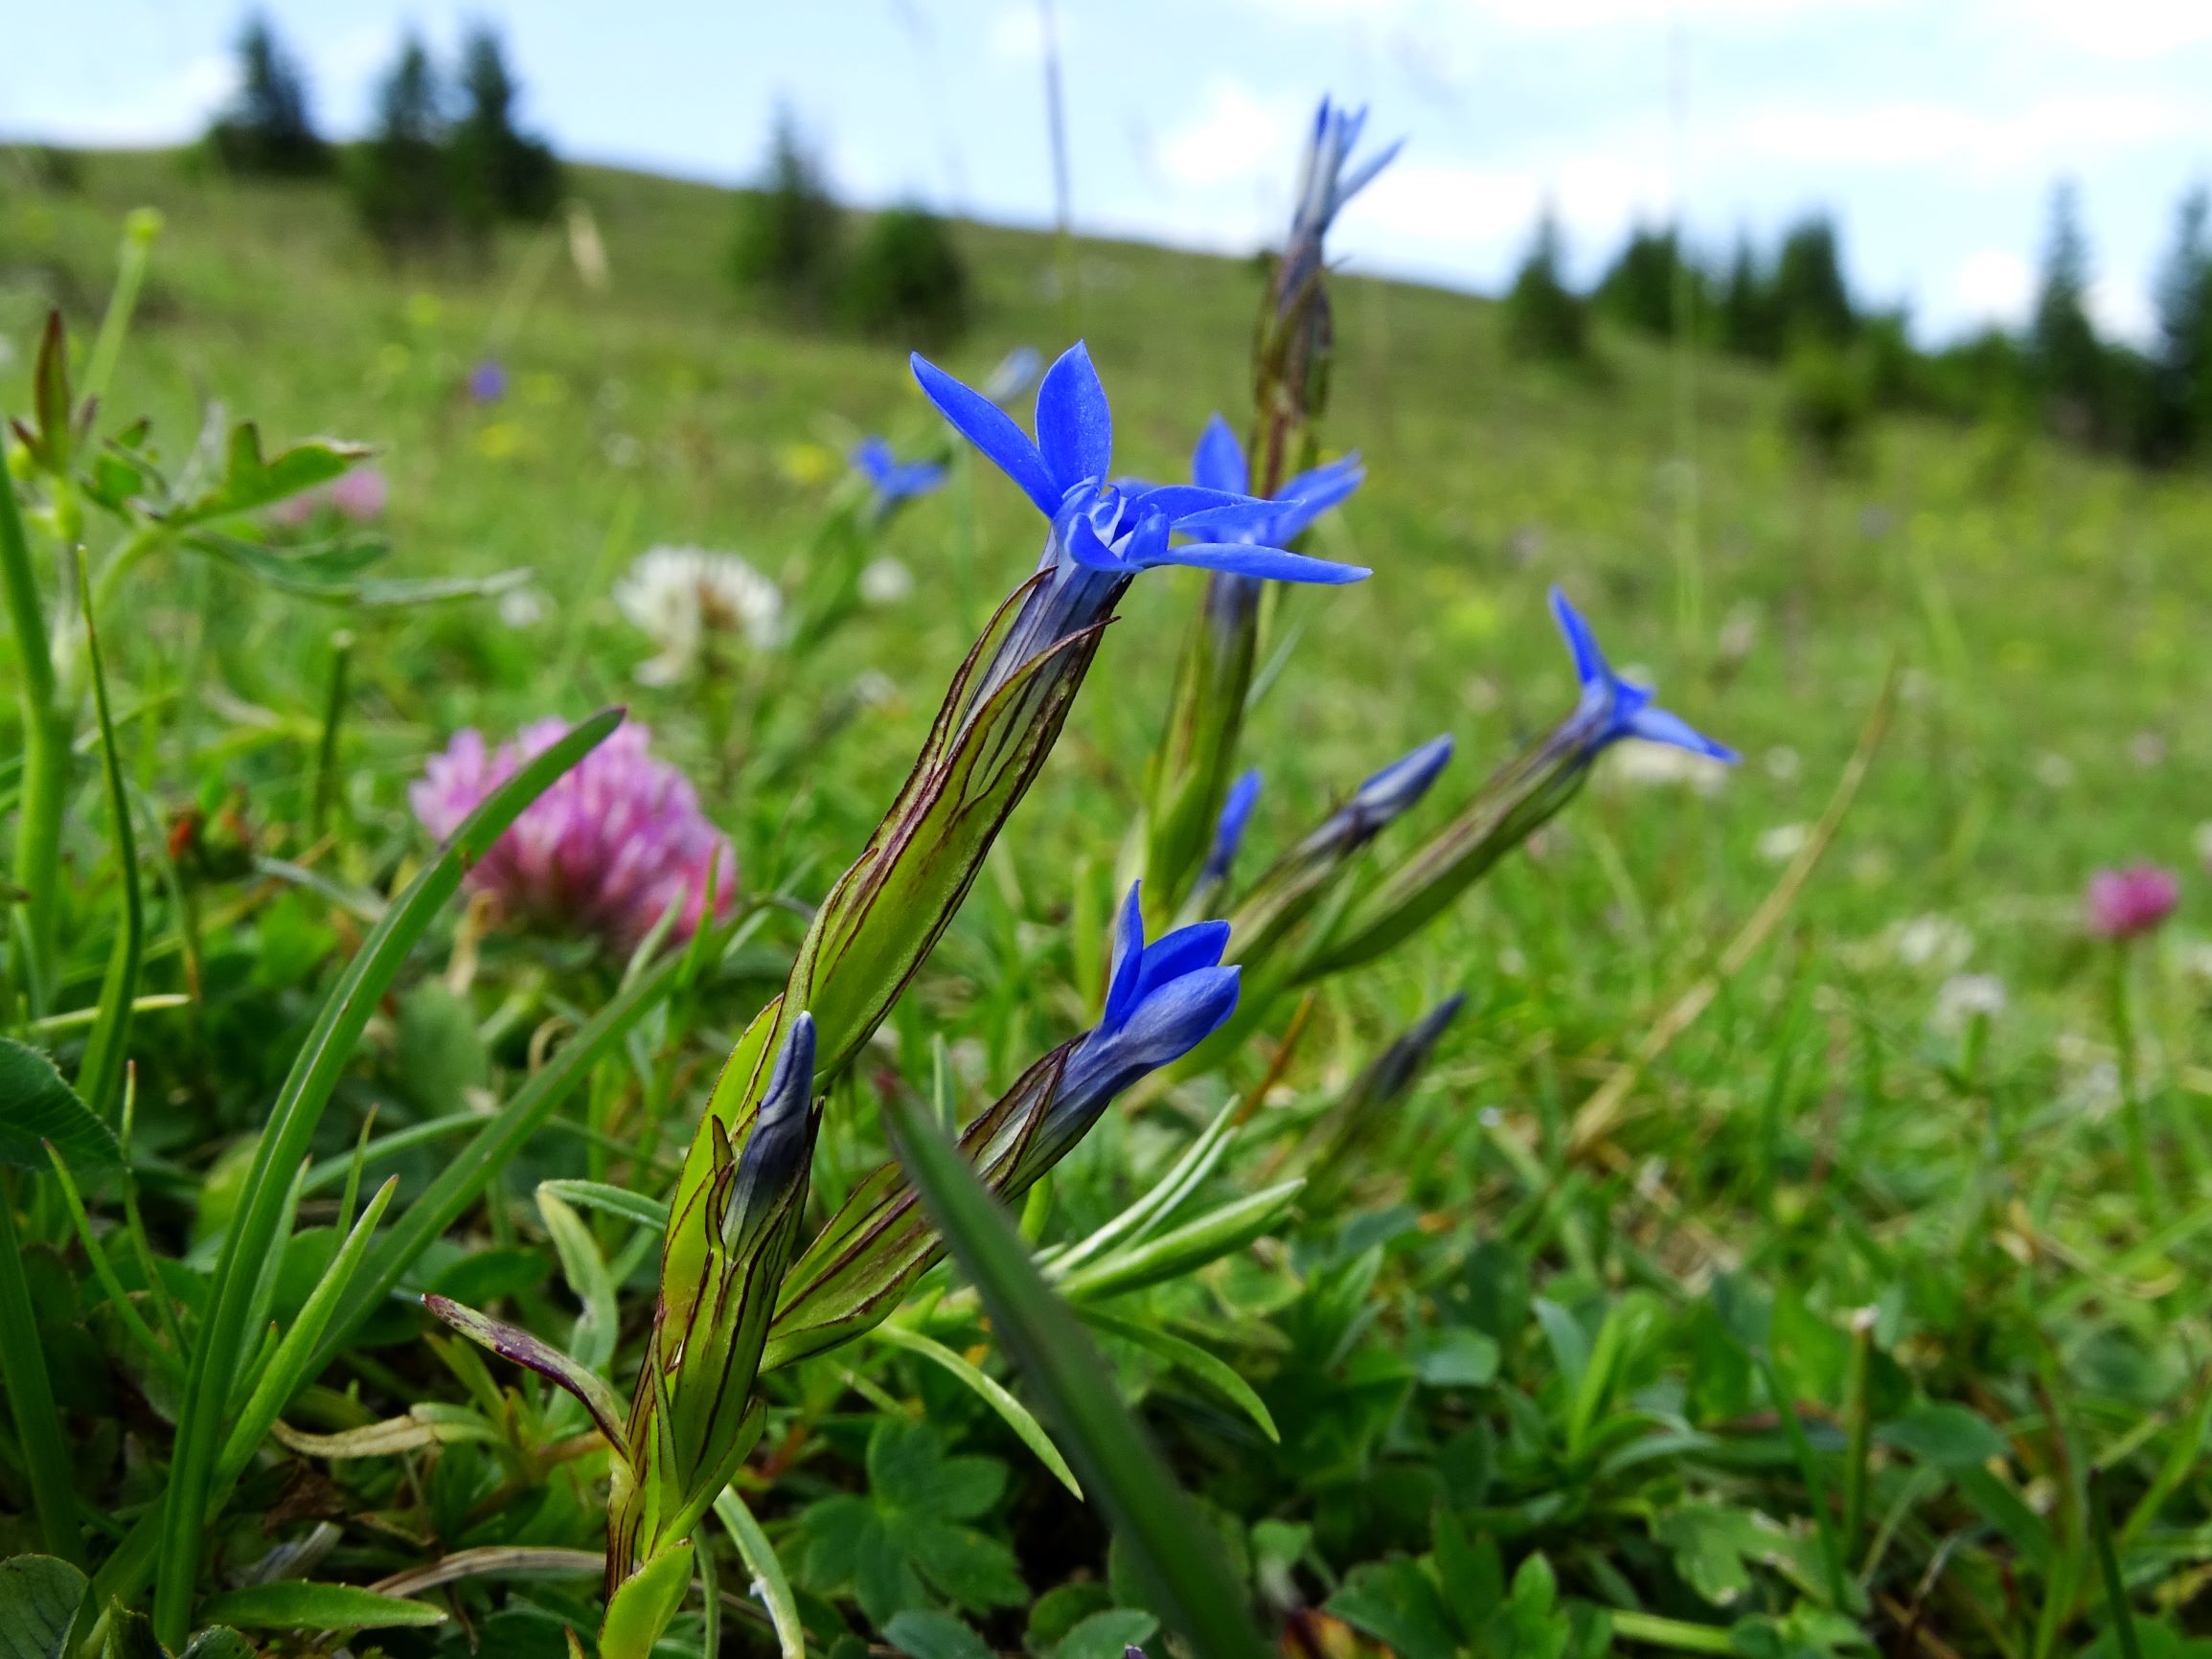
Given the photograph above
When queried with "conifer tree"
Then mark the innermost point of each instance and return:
(1545, 318)
(2068, 357)
(2179, 414)
(267, 128)
(500, 172)
(404, 185)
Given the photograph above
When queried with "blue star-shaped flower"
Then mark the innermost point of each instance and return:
(1612, 708)
(1326, 180)
(1115, 528)
(895, 481)
(1218, 463)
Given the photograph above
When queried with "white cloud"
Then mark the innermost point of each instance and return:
(1489, 212)
(2122, 310)
(176, 106)
(1996, 286)
(1017, 35)
(2029, 142)
(1236, 137)
(2137, 30)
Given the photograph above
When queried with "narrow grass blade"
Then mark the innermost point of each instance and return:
(38, 1437)
(290, 1604)
(99, 1074)
(1218, 1233)
(299, 1106)
(614, 1200)
(1208, 1368)
(1016, 1416)
(1177, 1560)
(767, 1571)
(2108, 1568)
(582, 1264)
(102, 1270)
(471, 1170)
(289, 1370)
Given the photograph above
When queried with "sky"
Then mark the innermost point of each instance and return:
(1933, 130)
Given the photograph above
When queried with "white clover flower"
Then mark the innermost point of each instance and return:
(1654, 764)
(886, 581)
(1783, 843)
(1933, 941)
(523, 607)
(1963, 996)
(686, 597)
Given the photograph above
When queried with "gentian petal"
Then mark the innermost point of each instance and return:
(1362, 175)
(1306, 499)
(872, 456)
(1266, 563)
(1656, 725)
(1589, 661)
(1174, 1020)
(1248, 516)
(1074, 428)
(1229, 827)
(1218, 463)
(1128, 958)
(991, 430)
(1190, 502)
(1083, 546)
(1186, 950)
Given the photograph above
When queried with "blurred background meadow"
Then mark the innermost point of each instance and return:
(1794, 1244)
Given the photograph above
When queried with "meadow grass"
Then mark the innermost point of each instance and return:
(1813, 1143)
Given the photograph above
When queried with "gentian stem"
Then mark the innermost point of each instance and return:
(45, 756)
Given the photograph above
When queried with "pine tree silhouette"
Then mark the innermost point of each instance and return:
(404, 186)
(1545, 318)
(2068, 357)
(500, 172)
(267, 128)
(2179, 417)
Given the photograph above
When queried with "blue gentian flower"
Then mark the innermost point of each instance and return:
(894, 480)
(1102, 532)
(1229, 827)
(1113, 527)
(1612, 708)
(1162, 1001)
(1218, 463)
(488, 381)
(1326, 180)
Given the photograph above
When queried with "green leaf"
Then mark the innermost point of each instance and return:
(1457, 1359)
(614, 1200)
(218, 1642)
(39, 1596)
(251, 1239)
(509, 1342)
(925, 1633)
(1219, 1233)
(249, 481)
(1060, 1609)
(100, 1074)
(1104, 1635)
(592, 1340)
(767, 1570)
(1949, 1437)
(35, 1106)
(1396, 1603)
(1189, 1356)
(299, 1605)
(642, 1607)
(1715, 1548)
(437, 1050)
(1173, 1552)
(1016, 1414)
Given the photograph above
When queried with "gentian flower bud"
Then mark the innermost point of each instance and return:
(1162, 1000)
(1325, 1156)
(1522, 795)
(1295, 883)
(694, 1416)
(2125, 903)
(1229, 829)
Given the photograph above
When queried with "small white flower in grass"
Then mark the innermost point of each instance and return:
(2054, 771)
(523, 607)
(886, 581)
(1933, 942)
(874, 689)
(1965, 995)
(687, 599)
(1783, 843)
(1783, 765)
(1656, 764)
